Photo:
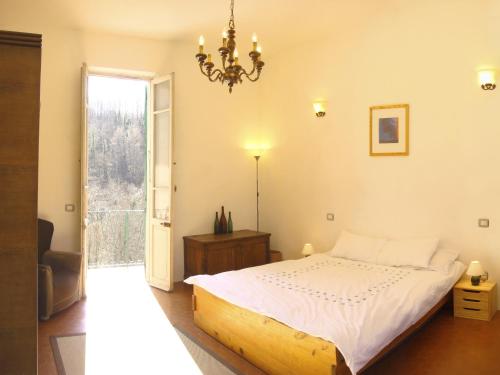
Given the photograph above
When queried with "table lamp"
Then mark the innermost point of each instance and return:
(307, 250)
(475, 271)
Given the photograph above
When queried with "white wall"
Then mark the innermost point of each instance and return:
(422, 53)
(64, 51)
(212, 128)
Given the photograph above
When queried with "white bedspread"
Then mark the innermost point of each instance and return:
(360, 307)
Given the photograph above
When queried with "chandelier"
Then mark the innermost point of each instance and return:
(232, 72)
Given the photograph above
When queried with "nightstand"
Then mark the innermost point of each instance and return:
(475, 302)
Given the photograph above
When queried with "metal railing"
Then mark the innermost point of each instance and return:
(116, 238)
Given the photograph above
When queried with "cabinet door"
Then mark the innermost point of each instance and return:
(251, 253)
(220, 258)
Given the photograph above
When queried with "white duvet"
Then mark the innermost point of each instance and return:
(360, 307)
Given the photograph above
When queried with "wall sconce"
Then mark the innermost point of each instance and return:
(487, 79)
(319, 108)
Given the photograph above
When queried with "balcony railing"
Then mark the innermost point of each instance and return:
(116, 238)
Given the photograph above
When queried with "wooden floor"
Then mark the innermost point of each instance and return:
(446, 345)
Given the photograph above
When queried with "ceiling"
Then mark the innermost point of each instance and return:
(276, 22)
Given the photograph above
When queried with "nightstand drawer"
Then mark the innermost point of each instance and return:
(471, 313)
(470, 295)
(471, 303)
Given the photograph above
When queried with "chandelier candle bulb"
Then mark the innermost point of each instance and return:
(201, 43)
(224, 38)
(209, 58)
(254, 41)
(236, 55)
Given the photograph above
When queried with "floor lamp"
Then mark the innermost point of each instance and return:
(257, 157)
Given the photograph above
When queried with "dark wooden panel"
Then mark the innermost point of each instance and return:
(20, 57)
(219, 259)
(251, 254)
(19, 108)
(211, 254)
(20, 39)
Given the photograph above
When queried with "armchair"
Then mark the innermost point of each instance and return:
(58, 274)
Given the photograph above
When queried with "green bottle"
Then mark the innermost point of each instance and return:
(216, 224)
(230, 224)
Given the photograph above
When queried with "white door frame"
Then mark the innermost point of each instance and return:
(130, 74)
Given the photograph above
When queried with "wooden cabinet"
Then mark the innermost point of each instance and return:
(20, 57)
(475, 302)
(211, 254)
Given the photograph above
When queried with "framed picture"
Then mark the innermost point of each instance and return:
(390, 130)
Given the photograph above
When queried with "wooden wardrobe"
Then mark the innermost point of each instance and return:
(20, 60)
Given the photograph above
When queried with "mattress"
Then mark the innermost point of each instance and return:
(360, 307)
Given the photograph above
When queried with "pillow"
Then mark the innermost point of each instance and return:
(357, 247)
(442, 260)
(416, 252)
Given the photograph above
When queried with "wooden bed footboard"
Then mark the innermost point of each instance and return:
(272, 346)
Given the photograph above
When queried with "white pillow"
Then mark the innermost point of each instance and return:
(357, 247)
(442, 260)
(416, 252)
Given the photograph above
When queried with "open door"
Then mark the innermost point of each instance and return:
(84, 183)
(159, 259)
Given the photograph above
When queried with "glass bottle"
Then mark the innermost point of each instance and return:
(216, 223)
(230, 224)
(222, 222)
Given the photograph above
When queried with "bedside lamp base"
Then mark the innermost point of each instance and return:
(475, 280)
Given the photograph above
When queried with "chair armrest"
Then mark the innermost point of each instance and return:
(63, 260)
(45, 291)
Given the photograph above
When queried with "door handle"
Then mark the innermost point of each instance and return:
(165, 224)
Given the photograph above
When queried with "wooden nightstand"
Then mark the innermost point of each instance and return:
(475, 302)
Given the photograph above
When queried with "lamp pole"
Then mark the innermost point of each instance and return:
(257, 157)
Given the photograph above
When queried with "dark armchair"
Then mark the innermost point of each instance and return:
(58, 274)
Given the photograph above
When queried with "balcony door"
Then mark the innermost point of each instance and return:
(159, 260)
(126, 174)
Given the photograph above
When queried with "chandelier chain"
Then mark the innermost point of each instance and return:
(231, 20)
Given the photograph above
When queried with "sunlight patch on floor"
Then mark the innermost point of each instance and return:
(127, 331)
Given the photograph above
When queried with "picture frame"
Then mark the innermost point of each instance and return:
(390, 130)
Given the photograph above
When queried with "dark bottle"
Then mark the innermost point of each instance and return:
(216, 223)
(230, 224)
(222, 222)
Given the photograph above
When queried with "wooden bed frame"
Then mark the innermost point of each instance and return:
(273, 346)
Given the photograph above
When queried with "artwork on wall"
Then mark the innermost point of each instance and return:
(389, 130)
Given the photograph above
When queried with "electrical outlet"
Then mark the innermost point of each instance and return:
(330, 217)
(69, 207)
(483, 223)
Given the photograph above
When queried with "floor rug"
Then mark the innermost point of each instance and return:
(69, 355)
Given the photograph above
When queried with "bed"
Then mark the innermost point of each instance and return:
(293, 317)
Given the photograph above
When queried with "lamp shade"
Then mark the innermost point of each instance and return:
(475, 269)
(486, 77)
(319, 108)
(308, 249)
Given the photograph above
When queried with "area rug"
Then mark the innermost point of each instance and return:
(69, 355)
